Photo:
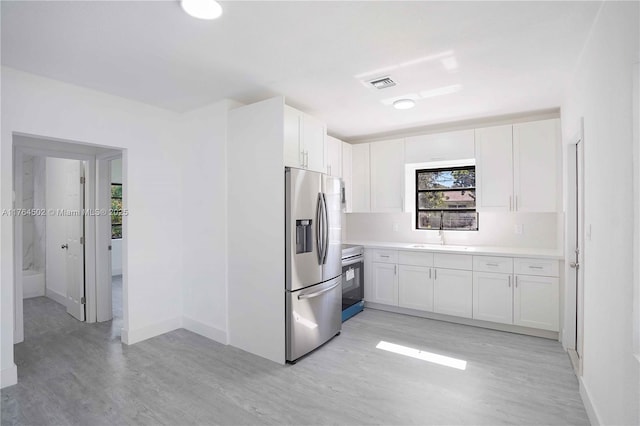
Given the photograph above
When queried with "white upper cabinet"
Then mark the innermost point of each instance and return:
(535, 171)
(439, 147)
(347, 176)
(387, 176)
(360, 178)
(334, 156)
(517, 167)
(494, 169)
(304, 141)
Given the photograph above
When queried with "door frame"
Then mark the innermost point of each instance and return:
(574, 231)
(90, 234)
(104, 308)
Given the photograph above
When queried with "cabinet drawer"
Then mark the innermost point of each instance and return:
(414, 258)
(543, 267)
(453, 261)
(384, 256)
(493, 264)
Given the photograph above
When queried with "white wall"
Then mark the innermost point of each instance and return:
(153, 146)
(540, 230)
(601, 92)
(204, 226)
(116, 244)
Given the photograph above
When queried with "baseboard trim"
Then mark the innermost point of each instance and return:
(9, 376)
(31, 294)
(594, 419)
(130, 337)
(205, 330)
(57, 297)
(553, 335)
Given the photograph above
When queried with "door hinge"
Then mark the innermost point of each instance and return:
(81, 240)
(82, 179)
(109, 247)
(83, 300)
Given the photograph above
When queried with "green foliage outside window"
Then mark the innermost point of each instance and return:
(446, 199)
(116, 210)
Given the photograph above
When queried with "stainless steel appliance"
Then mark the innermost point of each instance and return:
(313, 285)
(352, 280)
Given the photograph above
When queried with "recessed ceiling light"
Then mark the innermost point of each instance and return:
(202, 9)
(404, 104)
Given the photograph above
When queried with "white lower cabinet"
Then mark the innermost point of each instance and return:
(493, 297)
(535, 302)
(415, 287)
(384, 283)
(486, 288)
(453, 292)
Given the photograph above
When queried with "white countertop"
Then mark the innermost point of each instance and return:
(477, 250)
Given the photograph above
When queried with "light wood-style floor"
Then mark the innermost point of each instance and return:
(75, 373)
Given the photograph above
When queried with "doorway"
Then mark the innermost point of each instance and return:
(58, 245)
(573, 336)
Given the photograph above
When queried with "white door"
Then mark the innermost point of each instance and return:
(387, 176)
(535, 302)
(360, 178)
(64, 274)
(104, 309)
(453, 292)
(334, 156)
(313, 134)
(494, 169)
(535, 177)
(579, 250)
(493, 297)
(415, 287)
(384, 283)
(74, 225)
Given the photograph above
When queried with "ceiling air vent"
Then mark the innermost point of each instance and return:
(382, 82)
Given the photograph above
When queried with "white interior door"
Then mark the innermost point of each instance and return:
(104, 309)
(64, 252)
(577, 263)
(74, 225)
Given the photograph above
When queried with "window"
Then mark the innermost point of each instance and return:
(446, 198)
(116, 209)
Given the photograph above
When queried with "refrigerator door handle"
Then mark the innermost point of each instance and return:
(325, 244)
(320, 229)
(317, 293)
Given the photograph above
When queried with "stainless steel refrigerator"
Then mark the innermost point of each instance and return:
(313, 287)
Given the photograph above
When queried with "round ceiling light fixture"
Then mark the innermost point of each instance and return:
(202, 9)
(404, 104)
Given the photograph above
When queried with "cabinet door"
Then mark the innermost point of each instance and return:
(313, 134)
(493, 297)
(453, 292)
(384, 284)
(387, 176)
(535, 168)
(334, 156)
(347, 176)
(415, 287)
(494, 169)
(535, 302)
(292, 148)
(360, 182)
(439, 147)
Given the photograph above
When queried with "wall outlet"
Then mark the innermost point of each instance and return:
(396, 227)
(518, 229)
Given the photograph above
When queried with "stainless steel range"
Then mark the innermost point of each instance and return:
(352, 280)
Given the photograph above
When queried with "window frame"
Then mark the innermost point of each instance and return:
(418, 191)
(110, 215)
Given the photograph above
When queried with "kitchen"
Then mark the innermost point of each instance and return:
(241, 145)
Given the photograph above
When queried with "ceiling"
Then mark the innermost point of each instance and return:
(501, 57)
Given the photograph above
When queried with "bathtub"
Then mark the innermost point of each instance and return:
(32, 283)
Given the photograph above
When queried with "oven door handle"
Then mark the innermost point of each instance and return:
(352, 261)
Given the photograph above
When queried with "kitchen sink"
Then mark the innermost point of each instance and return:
(438, 247)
